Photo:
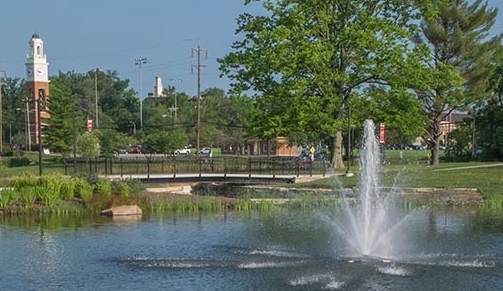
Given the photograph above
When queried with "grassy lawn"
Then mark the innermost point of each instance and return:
(414, 171)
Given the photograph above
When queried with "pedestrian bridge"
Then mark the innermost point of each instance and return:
(206, 177)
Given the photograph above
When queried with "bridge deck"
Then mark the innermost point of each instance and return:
(206, 177)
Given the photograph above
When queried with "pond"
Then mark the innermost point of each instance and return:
(284, 250)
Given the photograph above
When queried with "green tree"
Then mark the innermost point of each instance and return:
(238, 115)
(304, 61)
(489, 115)
(88, 145)
(111, 140)
(59, 133)
(459, 61)
(13, 109)
(165, 142)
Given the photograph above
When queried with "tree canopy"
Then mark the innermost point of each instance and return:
(307, 61)
(459, 63)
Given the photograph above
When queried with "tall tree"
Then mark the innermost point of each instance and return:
(305, 60)
(488, 133)
(60, 131)
(13, 108)
(459, 61)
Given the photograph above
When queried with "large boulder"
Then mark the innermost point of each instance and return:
(122, 210)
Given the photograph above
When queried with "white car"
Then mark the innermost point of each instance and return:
(184, 151)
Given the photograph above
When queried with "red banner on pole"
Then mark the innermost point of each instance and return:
(381, 133)
(89, 125)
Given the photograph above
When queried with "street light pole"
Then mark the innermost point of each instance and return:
(74, 142)
(40, 105)
(139, 62)
(96, 94)
(28, 125)
(1, 118)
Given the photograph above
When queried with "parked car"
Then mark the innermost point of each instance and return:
(205, 151)
(121, 151)
(135, 149)
(184, 151)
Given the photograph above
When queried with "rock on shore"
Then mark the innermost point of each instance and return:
(122, 210)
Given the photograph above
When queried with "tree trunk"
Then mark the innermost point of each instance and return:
(337, 161)
(436, 142)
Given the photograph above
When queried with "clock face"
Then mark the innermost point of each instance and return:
(30, 73)
(40, 71)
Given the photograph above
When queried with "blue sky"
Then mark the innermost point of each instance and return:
(110, 34)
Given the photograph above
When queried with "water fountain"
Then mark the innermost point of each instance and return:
(367, 224)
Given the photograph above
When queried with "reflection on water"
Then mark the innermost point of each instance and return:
(258, 251)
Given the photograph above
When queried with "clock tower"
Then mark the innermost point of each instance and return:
(37, 89)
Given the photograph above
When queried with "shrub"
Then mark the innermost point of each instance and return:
(8, 196)
(48, 195)
(67, 189)
(104, 187)
(23, 181)
(19, 162)
(28, 196)
(123, 188)
(83, 189)
(135, 186)
(52, 183)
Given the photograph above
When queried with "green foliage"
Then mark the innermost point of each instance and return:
(306, 61)
(19, 162)
(461, 138)
(83, 189)
(67, 189)
(8, 196)
(28, 196)
(135, 186)
(47, 194)
(88, 145)
(7, 152)
(23, 181)
(13, 108)
(59, 133)
(52, 183)
(165, 142)
(104, 187)
(122, 188)
(456, 74)
(111, 140)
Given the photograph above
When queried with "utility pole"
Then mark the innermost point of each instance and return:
(198, 67)
(96, 94)
(140, 61)
(1, 115)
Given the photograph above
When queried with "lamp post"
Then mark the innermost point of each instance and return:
(28, 125)
(139, 62)
(348, 151)
(74, 141)
(40, 104)
(96, 94)
(1, 129)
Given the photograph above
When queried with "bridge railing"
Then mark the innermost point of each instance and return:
(125, 166)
